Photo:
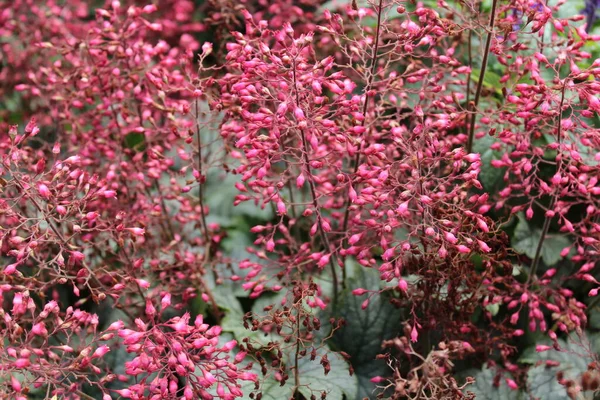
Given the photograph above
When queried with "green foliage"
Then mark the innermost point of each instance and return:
(364, 330)
(337, 383)
(573, 358)
(219, 192)
(491, 80)
(484, 388)
(526, 238)
(135, 141)
(489, 176)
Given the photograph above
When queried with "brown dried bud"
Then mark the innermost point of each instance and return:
(590, 380)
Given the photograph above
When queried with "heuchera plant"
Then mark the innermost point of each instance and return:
(299, 199)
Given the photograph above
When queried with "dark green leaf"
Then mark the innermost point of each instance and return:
(489, 176)
(526, 239)
(364, 330)
(541, 380)
(484, 388)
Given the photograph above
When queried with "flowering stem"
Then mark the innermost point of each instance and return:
(313, 192)
(538, 251)
(297, 354)
(370, 80)
(200, 183)
(472, 108)
(57, 232)
(470, 55)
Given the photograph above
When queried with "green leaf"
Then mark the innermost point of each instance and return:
(594, 317)
(234, 314)
(312, 379)
(484, 388)
(337, 383)
(135, 141)
(541, 380)
(491, 80)
(364, 330)
(525, 241)
(270, 388)
(220, 192)
(489, 176)
(493, 308)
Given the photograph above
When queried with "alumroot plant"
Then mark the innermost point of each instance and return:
(411, 174)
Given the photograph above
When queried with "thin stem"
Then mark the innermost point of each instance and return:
(207, 290)
(200, 184)
(56, 231)
(370, 80)
(472, 108)
(470, 55)
(297, 354)
(538, 251)
(313, 192)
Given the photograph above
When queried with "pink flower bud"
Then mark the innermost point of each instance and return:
(323, 260)
(116, 326)
(165, 301)
(101, 351)
(110, 194)
(450, 237)
(150, 309)
(403, 209)
(483, 246)
(463, 249)
(511, 384)
(91, 216)
(482, 225)
(352, 194)
(473, 157)
(136, 231)
(354, 239)
(403, 285)
(270, 246)
(10, 269)
(281, 209)
(143, 283)
(414, 335)
(44, 191)
(16, 384)
(299, 114)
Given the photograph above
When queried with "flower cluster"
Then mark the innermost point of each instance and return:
(312, 161)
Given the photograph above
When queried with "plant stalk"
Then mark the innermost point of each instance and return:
(473, 108)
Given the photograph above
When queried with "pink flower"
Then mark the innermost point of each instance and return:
(101, 351)
(44, 191)
(450, 237)
(137, 231)
(110, 194)
(414, 335)
(511, 384)
(281, 208)
(541, 348)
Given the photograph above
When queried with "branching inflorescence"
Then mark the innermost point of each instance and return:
(449, 150)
